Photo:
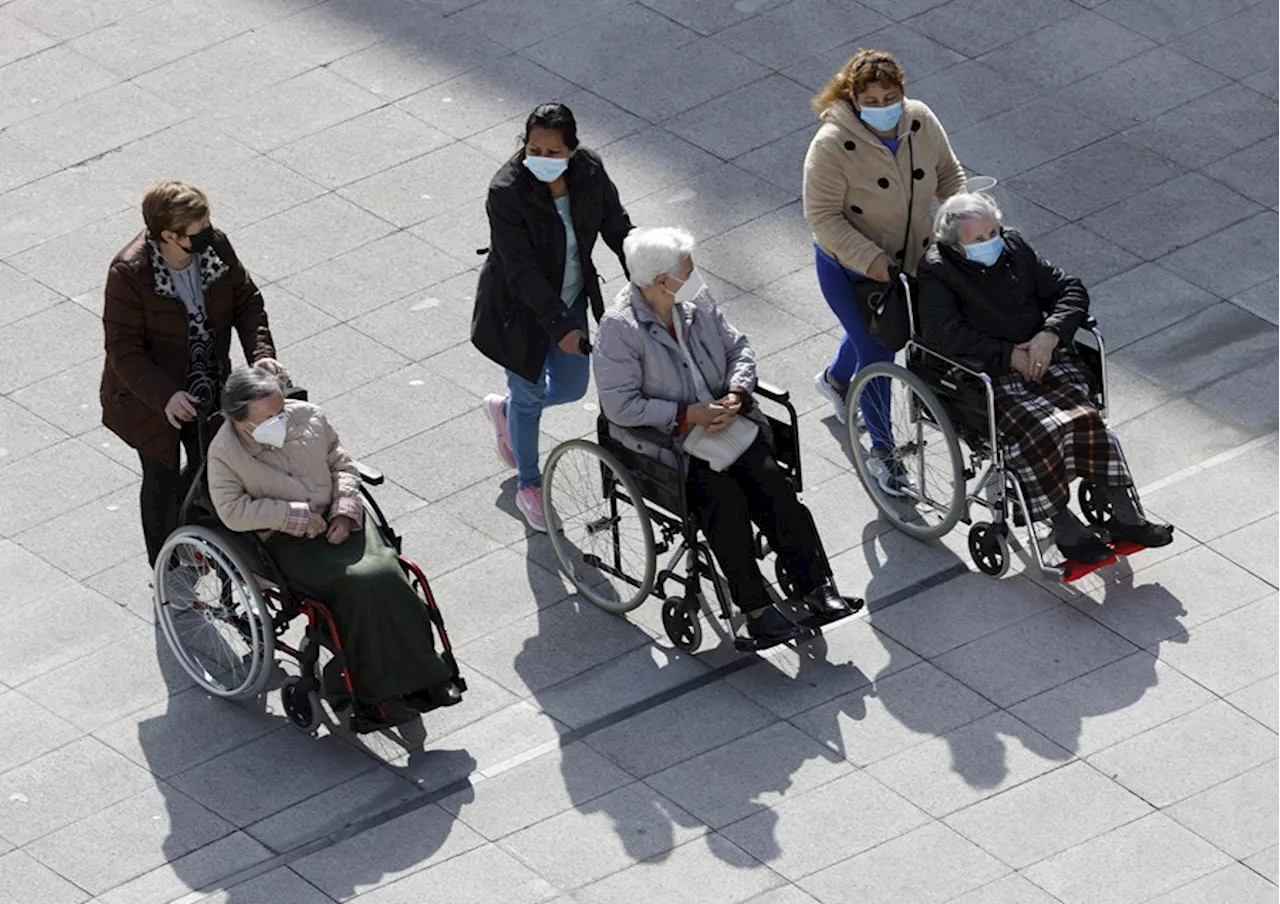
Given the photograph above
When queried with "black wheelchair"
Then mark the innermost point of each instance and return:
(936, 403)
(606, 498)
(224, 608)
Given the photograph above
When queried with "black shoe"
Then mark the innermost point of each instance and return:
(387, 714)
(1089, 551)
(772, 625)
(1145, 534)
(827, 603)
(445, 693)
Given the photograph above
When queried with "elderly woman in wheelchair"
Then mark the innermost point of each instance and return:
(278, 477)
(1000, 365)
(676, 384)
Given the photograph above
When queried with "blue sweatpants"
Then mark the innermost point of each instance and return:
(857, 349)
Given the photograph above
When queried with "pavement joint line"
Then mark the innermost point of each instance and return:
(1211, 462)
(309, 846)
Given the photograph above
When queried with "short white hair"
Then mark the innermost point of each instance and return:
(958, 208)
(650, 253)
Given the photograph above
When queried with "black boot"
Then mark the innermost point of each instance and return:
(824, 601)
(1145, 534)
(772, 626)
(445, 693)
(1087, 551)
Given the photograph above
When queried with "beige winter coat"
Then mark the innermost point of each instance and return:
(258, 488)
(856, 190)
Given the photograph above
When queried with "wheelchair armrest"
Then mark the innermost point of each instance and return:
(1090, 322)
(772, 393)
(369, 475)
(297, 393)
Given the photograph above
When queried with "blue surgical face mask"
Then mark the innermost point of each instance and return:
(546, 169)
(985, 253)
(882, 119)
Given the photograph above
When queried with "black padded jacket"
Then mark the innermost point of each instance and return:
(970, 311)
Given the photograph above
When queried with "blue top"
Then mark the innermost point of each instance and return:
(571, 288)
(890, 143)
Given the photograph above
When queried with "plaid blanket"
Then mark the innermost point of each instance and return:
(1052, 434)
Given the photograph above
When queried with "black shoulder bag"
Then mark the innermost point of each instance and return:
(885, 304)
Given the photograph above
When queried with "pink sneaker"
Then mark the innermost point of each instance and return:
(496, 407)
(529, 502)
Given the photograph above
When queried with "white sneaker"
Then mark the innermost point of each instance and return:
(830, 393)
(889, 473)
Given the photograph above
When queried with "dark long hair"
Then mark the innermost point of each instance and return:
(556, 117)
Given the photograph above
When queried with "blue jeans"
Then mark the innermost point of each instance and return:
(857, 349)
(564, 379)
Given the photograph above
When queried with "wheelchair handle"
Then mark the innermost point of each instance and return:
(584, 346)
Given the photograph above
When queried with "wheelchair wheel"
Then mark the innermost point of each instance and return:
(605, 545)
(303, 709)
(927, 492)
(989, 548)
(680, 621)
(212, 612)
(1094, 504)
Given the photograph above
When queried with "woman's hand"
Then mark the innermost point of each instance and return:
(272, 366)
(711, 416)
(180, 407)
(315, 526)
(879, 269)
(339, 529)
(1020, 360)
(571, 342)
(1040, 352)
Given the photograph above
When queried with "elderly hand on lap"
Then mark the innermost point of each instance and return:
(1032, 358)
(715, 416)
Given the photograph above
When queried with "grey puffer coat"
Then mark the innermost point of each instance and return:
(642, 377)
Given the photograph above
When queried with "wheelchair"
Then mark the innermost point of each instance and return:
(224, 608)
(938, 403)
(619, 509)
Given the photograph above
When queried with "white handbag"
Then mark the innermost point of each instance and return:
(721, 449)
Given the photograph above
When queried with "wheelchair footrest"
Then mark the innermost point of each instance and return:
(749, 644)
(1074, 571)
(816, 623)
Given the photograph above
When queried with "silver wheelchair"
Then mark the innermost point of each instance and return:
(618, 509)
(936, 404)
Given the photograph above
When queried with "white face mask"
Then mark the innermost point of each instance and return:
(271, 432)
(690, 288)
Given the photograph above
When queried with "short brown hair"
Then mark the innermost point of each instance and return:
(867, 67)
(172, 207)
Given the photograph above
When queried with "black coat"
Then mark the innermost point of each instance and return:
(518, 311)
(970, 311)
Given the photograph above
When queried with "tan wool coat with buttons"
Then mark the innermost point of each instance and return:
(252, 485)
(856, 190)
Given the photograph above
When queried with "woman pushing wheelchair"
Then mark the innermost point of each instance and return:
(667, 360)
(986, 295)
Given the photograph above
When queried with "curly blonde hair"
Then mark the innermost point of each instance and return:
(866, 67)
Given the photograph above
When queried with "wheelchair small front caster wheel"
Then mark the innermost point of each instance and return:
(989, 549)
(1094, 504)
(680, 620)
(302, 708)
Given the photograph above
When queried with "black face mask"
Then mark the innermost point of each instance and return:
(201, 241)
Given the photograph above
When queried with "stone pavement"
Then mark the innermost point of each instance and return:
(970, 740)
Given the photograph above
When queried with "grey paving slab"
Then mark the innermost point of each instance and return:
(653, 159)
(425, 322)
(28, 730)
(890, 872)
(1163, 22)
(707, 16)
(956, 24)
(310, 362)
(1260, 701)
(1129, 863)
(1026, 138)
(24, 432)
(1012, 887)
(34, 336)
(969, 764)
(1143, 301)
(1237, 816)
(439, 542)
(1147, 765)
(442, 180)
(47, 80)
(256, 189)
(589, 50)
(713, 202)
(787, 894)
(702, 871)
(811, 831)
(324, 228)
(967, 93)
(64, 786)
(41, 638)
(774, 161)
(747, 775)
(1250, 172)
(1228, 653)
(207, 866)
(1237, 45)
(235, 787)
(25, 879)
(433, 465)
(1146, 87)
(760, 251)
(146, 831)
(21, 164)
(1234, 883)
(293, 109)
(779, 36)
(1234, 108)
(919, 55)
(111, 521)
(389, 852)
(1085, 254)
(1066, 51)
(1260, 300)
(1175, 433)
(1265, 864)
(679, 729)
(1048, 814)
(1252, 240)
(631, 824)
(478, 876)
(279, 886)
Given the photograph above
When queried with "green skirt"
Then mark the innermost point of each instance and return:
(385, 626)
